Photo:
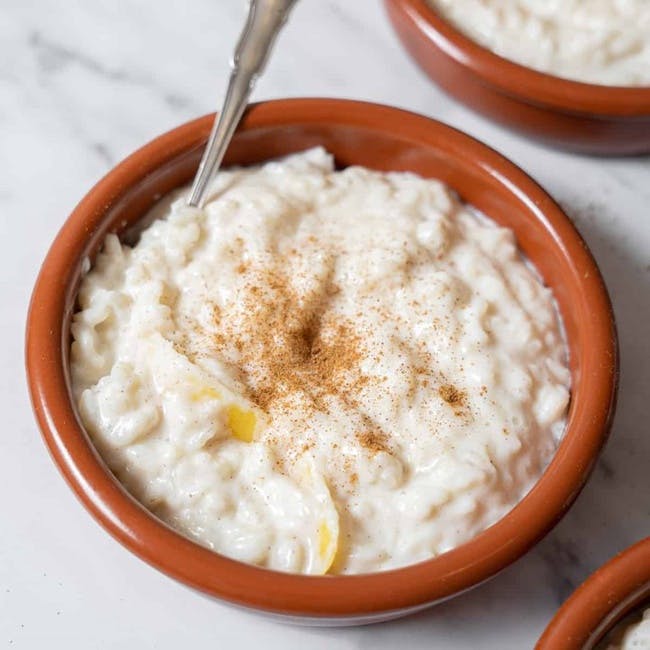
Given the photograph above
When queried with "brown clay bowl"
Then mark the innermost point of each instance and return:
(604, 599)
(567, 114)
(382, 138)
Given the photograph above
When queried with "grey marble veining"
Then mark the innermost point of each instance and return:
(82, 84)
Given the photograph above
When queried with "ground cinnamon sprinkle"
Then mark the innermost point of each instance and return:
(290, 345)
(454, 397)
(296, 356)
(373, 441)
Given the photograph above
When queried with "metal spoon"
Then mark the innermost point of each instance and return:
(265, 19)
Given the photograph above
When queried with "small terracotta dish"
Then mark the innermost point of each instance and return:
(381, 138)
(617, 589)
(568, 114)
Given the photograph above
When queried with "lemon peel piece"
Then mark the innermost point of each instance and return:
(324, 538)
(326, 533)
(241, 422)
(327, 545)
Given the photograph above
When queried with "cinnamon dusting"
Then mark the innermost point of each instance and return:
(455, 397)
(373, 441)
(290, 344)
(451, 395)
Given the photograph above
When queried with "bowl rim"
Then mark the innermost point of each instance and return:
(518, 80)
(606, 596)
(289, 594)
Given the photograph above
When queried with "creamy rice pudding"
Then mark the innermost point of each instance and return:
(595, 41)
(321, 371)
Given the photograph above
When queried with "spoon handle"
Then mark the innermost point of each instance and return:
(265, 19)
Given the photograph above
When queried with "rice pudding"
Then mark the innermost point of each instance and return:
(321, 371)
(603, 42)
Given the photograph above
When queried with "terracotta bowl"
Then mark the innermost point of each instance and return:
(603, 600)
(567, 114)
(382, 138)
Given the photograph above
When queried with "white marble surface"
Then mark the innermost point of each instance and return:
(83, 83)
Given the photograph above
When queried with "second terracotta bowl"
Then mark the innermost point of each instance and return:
(618, 588)
(357, 134)
(567, 114)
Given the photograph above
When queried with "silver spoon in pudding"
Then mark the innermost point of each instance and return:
(264, 21)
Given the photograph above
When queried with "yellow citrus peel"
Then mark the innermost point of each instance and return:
(325, 544)
(241, 422)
